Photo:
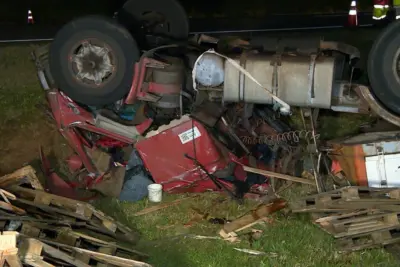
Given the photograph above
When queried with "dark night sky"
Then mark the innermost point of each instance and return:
(59, 11)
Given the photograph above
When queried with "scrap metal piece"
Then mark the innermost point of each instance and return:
(317, 177)
(234, 135)
(55, 184)
(215, 180)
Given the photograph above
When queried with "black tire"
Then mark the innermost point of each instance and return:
(121, 47)
(172, 10)
(383, 77)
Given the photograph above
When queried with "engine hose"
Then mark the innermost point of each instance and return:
(281, 138)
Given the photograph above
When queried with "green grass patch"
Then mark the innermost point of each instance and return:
(20, 91)
(288, 241)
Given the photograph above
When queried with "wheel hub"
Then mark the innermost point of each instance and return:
(93, 63)
(154, 22)
(396, 65)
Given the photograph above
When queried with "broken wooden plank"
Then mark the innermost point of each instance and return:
(12, 208)
(264, 219)
(109, 243)
(73, 208)
(339, 216)
(255, 215)
(356, 192)
(360, 223)
(115, 260)
(8, 241)
(43, 198)
(7, 195)
(25, 175)
(70, 223)
(67, 236)
(31, 251)
(56, 253)
(106, 221)
(279, 175)
(52, 210)
(348, 199)
(13, 261)
(375, 239)
(121, 231)
(162, 206)
(58, 234)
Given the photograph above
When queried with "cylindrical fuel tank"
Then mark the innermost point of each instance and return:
(300, 80)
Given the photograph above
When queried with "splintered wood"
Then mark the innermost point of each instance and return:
(42, 229)
(359, 217)
(229, 231)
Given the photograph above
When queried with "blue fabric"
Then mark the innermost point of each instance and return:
(128, 112)
(135, 187)
(136, 180)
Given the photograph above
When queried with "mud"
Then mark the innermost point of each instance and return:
(20, 146)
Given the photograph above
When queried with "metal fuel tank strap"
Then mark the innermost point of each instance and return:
(276, 63)
(311, 75)
(243, 59)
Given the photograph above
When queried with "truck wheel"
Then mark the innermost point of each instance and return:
(384, 67)
(92, 60)
(160, 17)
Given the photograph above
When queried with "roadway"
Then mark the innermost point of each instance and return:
(31, 33)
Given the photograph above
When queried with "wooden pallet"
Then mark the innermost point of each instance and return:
(44, 253)
(78, 237)
(373, 239)
(358, 222)
(36, 253)
(93, 258)
(57, 231)
(349, 199)
(69, 209)
(359, 217)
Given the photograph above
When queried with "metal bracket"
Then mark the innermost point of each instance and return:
(311, 75)
(381, 158)
(242, 77)
(276, 62)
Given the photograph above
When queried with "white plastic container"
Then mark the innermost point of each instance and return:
(155, 192)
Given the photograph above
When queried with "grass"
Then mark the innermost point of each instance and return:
(20, 90)
(288, 241)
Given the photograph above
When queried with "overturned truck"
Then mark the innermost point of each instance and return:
(151, 86)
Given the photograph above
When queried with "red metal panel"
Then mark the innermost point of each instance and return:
(164, 157)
